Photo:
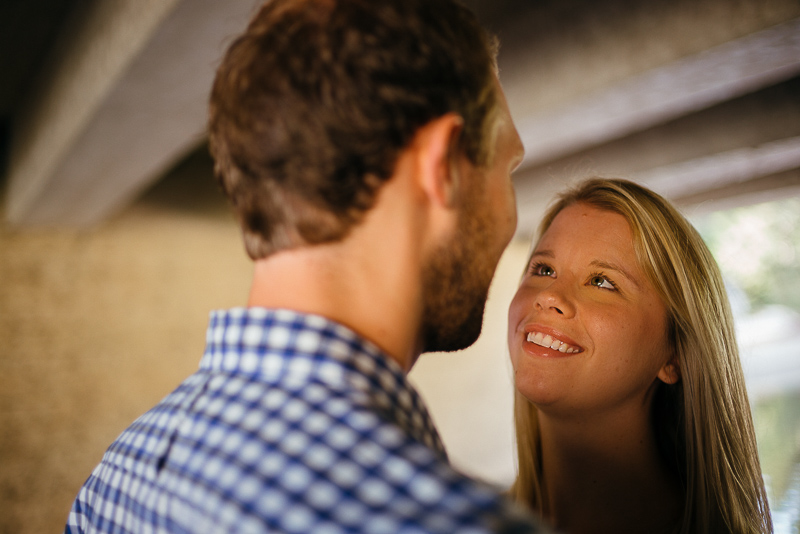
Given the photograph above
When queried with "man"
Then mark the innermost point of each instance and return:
(366, 148)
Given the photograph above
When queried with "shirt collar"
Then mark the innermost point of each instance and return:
(296, 348)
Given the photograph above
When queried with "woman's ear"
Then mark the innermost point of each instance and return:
(670, 373)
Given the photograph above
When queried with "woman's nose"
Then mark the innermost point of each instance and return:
(556, 298)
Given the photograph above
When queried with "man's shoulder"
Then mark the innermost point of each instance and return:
(229, 450)
(334, 459)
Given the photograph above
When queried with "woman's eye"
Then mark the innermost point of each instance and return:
(601, 282)
(541, 269)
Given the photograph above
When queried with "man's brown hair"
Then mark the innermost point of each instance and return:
(313, 103)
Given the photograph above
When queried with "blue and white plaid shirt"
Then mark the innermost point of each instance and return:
(293, 423)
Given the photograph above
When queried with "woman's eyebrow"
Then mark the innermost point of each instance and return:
(546, 253)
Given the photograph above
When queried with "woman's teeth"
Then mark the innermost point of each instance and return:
(544, 340)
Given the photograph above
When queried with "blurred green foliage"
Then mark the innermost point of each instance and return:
(758, 249)
(777, 424)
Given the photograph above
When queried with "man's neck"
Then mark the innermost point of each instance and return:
(370, 288)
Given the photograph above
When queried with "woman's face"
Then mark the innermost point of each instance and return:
(586, 330)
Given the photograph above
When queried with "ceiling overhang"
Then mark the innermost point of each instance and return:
(127, 95)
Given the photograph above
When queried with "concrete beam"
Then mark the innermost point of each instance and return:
(732, 137)
(664, 93)
(769, 188)
(718, 171)
(126, 100)
(727, 179)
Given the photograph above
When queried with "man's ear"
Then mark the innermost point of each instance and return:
(438, 164)
(670, 373)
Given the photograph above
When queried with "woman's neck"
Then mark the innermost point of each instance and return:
(604, 474)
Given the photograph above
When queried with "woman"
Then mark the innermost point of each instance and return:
(631, 410)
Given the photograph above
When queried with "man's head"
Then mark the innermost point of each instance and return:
(313, 103)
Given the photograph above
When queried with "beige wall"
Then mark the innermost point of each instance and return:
(97, 326)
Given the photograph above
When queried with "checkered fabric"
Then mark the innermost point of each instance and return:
(293, 423)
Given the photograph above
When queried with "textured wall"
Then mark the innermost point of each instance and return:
(95, 327)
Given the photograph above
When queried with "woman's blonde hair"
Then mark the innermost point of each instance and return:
(703, 423)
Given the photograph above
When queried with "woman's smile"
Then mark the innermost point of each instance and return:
(543, 337)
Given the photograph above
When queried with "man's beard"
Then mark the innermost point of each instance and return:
(456, 284)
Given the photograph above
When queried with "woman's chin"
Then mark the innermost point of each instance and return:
(540, 395)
